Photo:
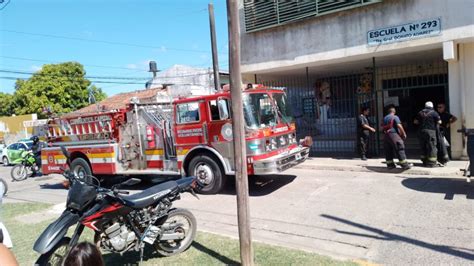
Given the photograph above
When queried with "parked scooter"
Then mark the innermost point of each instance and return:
(26, 168)
(121, 223)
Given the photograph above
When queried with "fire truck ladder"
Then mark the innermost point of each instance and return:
(160, 115)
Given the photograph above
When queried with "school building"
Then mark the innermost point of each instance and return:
(338, 56)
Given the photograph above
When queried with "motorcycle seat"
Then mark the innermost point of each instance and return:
(150, 195)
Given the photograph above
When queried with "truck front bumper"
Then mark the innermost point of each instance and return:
(281, 162)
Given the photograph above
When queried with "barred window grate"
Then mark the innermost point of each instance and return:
(262, 14)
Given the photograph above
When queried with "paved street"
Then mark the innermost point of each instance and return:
(382, 218)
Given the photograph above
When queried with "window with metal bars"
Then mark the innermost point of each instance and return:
(262, 14)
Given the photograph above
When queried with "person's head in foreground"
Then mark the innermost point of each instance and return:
(84, 254)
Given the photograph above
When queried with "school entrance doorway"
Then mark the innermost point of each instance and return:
(409, 96)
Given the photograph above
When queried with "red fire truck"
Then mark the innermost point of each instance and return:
(182, 136)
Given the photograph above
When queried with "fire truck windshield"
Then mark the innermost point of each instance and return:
(284, 108)
(258, 110)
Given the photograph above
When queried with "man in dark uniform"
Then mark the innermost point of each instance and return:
(36, 149)
(393, 140)
(446, 120)
(428, 119)
(363, 132)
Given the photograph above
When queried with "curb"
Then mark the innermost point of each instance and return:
(380, 169)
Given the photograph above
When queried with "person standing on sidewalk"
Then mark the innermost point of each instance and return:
(393, 140)
(363, 132)
(446, 120)
(428, 119)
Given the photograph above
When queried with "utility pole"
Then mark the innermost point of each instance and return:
(240, 153)
(215, 59)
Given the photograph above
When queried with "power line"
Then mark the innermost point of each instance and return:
(53, 62)
(5, 5)
(99, 77)
(72, 76)
(104, 41)
(89, 65)
(95, 81)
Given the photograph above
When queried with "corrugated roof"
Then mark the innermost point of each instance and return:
(118, 101)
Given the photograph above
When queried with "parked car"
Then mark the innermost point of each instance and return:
(12, 153)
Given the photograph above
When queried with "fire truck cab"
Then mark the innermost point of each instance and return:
(189, 135)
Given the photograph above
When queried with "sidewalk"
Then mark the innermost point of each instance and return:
(378, 165)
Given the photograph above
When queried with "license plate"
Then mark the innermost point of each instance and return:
(298, 156)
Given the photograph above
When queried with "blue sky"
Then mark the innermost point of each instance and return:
(169, 32)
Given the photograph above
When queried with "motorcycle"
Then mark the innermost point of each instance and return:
(26, 168)
(121, 223)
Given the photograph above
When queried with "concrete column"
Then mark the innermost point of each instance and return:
(455, 107)
(467, 72)
(461, 96)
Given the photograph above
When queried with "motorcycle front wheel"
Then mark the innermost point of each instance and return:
(56, 255)
(19, 172)
(184, 222)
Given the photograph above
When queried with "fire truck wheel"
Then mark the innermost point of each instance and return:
(81, 167)
(208, 172)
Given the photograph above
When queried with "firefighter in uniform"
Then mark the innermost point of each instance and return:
(393, 140)
(363, 132)
(428, 120)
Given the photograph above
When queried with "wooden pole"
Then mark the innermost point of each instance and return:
(215, 59)
(240, 154)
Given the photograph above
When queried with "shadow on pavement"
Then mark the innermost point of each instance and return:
(447, 186)
(261, 185)
(52, 186)
(384, 169)
(387, 236)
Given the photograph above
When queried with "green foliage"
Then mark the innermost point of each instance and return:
(62, 87)
(6, 104)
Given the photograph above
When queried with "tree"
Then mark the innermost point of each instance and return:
(6, 104)
(61, 87)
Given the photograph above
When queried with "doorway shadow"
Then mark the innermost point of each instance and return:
(260, 185)
(447, 186)
(379, 234)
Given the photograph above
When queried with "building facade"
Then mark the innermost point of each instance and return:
(13, 128)
(336, 57)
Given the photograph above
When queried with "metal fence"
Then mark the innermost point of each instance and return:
(326, 109)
